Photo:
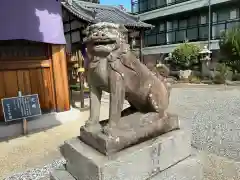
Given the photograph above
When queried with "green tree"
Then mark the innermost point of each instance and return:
(230, 48)
(186, 55)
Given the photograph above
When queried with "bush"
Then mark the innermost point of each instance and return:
(194, 79)
(186, 55)
(219, 79)
(230, 48)
(221, 73)
(163, 70)
(236, 77)
(223, 68)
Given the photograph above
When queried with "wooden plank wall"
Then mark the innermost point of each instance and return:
(32, 77)
(47, 78)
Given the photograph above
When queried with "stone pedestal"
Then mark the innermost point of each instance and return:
(138, 162)
(132, 129)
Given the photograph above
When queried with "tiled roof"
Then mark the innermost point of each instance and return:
(80, 12)
(94, 13)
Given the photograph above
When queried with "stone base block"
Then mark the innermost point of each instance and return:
(61, 174)
(188, 169)
(138, 162)
(131, 129)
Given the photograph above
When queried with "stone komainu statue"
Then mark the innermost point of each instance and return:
(114, 69)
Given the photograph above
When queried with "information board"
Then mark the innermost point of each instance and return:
(15, 108)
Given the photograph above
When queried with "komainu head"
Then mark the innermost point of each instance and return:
(103, 38)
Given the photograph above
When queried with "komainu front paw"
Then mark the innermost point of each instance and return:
(93, 127)
(110, 130)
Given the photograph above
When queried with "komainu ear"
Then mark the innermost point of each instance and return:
(86, 30)
(122, 28)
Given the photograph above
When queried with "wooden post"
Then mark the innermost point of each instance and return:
(24, 123)
(81, 88)
(141, 45)
(60, 77)
(81, 78)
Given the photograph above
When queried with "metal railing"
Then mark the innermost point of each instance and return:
(141, 6)
(190, 34)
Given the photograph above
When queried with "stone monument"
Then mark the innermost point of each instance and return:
(135, 143)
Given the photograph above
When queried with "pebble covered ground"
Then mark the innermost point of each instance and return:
(211, 114)
(37, 173)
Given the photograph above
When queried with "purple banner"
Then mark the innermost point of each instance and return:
(35, 20)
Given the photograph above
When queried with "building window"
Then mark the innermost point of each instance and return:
(150, 37)
(161, 3)
(223, 15)
(170, 1)
(192, 21)
(151, 4)
(214, 17)
(232, 24)
(143, 5)
(218, 29)
(192, 34)
(203, 19)
(139, 6)
(161, 38)
(152, 40)
(162, 27)
(181, 36)
(175, 24)
(169, 26)
(233, 14)
(183, 24)
(135, 7)
(169, 35)
(203, 32)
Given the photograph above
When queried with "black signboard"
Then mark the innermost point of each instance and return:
(21, 107)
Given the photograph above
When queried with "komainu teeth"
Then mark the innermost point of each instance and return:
(150, 95)
(122, 75)
(149, 85)
(156, 107)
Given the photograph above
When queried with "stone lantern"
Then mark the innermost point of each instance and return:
(168, 58)
(205, 59)
(133, 43)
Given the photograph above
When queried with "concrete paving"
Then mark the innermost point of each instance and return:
(38, 123)
(46, 121)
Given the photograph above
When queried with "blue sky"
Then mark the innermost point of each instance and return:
(125, 3)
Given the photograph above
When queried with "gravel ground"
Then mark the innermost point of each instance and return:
(37, 173)
(212, 114)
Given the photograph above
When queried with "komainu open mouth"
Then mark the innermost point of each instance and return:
(106, 42)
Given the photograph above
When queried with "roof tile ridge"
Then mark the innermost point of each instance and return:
(134, 17)
(87, 11)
